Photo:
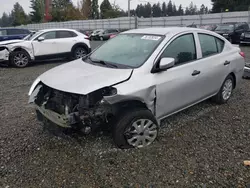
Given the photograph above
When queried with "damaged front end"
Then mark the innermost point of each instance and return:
(68, 110)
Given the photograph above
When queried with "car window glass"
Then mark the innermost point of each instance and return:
(15, 31)
(181, 49)
(208, 45)
(127, 49)
(220, 44)
(3, 32)
(65, 34)
(49, 35)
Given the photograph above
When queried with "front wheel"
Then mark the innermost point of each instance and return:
(226, 91)
(135, 129)
(19, 59)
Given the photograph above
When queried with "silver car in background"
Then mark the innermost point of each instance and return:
(136, 79)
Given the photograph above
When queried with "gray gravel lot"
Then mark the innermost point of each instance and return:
(204, 146)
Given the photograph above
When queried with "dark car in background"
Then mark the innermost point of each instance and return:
(232, 31)
(13, 33)
(245, 38)
(108, 33)
(86, 32)
(104, 34)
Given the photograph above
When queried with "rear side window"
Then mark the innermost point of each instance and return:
(182, 49)
(3, 32)
(65, 34)
(210, 45)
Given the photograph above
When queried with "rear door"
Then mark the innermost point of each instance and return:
(66, 40)
(213, 64)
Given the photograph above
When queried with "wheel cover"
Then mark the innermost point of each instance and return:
(21, 60)
(142, 133)
(227, 89)
(80, 53)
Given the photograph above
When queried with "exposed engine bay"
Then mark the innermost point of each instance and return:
(85, 112)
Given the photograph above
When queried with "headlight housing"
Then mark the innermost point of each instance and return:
(33, 86)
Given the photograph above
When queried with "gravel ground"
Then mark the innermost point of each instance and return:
(204, 146)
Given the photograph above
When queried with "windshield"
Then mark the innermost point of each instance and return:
(29, 36)
(130, 50)
(225, 28)
(33, 35)
(97, 31)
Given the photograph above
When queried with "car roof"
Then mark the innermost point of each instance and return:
(162, 31)
(46, 30)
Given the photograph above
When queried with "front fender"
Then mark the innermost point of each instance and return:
(27, 49)
(145, 96)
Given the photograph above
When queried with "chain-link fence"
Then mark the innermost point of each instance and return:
(134, 22)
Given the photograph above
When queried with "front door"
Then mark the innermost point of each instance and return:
(47, 47)
(177, 87)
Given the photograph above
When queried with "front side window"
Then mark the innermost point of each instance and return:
(49, 35)
(182, 49)
(130, 50)
(210, 45)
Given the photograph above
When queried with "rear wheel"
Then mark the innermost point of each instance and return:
(79, 52)
(226, 90)
(137, 129)
(19, 59)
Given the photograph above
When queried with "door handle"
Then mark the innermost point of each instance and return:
(196, 73)
(227, 62)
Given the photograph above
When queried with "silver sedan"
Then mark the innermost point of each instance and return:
(136, 79)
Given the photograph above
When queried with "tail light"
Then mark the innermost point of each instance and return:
(242, 54)
(87, 38)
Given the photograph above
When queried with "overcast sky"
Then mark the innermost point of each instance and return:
(7, 5)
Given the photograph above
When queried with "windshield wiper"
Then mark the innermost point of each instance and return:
(104, 63)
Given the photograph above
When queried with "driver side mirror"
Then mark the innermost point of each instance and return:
(41, 39)
(165, 63)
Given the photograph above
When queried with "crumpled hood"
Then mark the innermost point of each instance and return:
(10, 42)
(82, 78)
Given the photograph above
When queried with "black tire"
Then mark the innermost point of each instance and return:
(125, 121)
(219, 98)
(79, 52)
(19, 59)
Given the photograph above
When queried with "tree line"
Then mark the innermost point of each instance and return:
(65, 10)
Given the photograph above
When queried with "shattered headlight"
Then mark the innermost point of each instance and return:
(33, 86)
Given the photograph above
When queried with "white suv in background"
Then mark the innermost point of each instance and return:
(49, 44)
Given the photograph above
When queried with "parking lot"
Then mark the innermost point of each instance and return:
(204, 146)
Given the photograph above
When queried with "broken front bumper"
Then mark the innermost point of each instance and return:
(61, 120)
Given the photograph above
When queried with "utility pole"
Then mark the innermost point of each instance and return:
(129, 8)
